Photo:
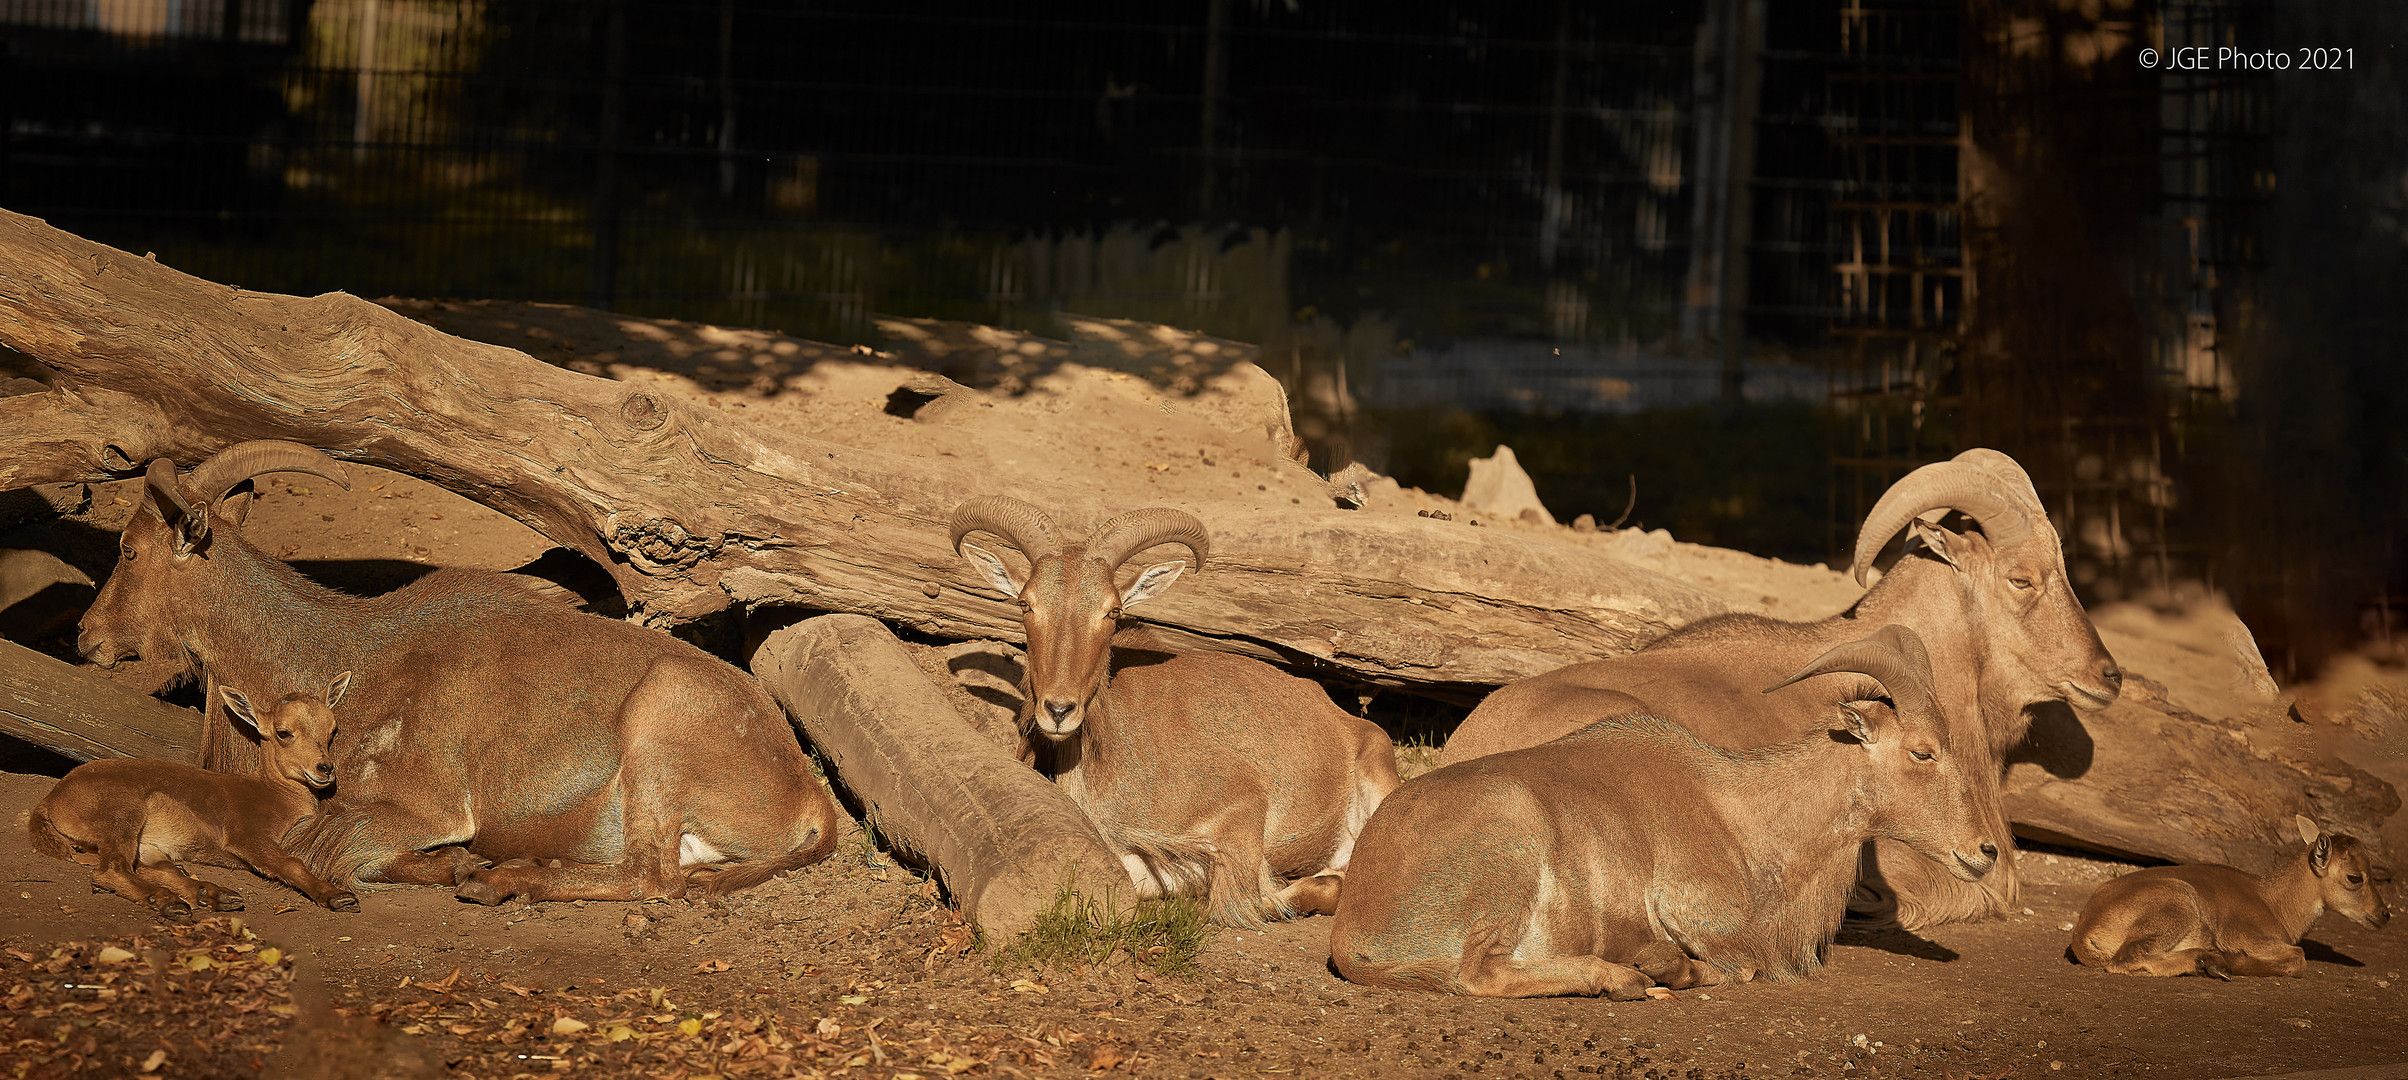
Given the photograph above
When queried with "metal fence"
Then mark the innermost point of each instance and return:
(1530, 170)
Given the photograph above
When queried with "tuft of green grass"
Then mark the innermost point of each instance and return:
(1417, 754)
(869, 843)
(1078, 932)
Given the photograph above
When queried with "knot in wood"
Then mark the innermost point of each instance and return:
(642, 411)
(658, 543)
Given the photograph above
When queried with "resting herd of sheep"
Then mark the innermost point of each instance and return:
(1706, 809)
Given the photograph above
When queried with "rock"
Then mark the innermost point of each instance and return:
(1499, 486)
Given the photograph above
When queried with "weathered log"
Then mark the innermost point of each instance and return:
(691, 510)
(76, 713)
(2146, 779)
(1001, 837)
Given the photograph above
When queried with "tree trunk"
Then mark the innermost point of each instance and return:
(2144, 778)
(75, 713)
(1003, 838)
(690, 510)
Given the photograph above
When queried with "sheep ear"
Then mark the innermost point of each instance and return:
(2307, 828)
(1151, 583)
(336, 689)
(991, 568)
(1858, 728)
(2320, 854)
(240, 707)
(1946, 545)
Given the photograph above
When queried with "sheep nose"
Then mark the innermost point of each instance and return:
(2111, 673)
(1989, 850)
(1059, 709)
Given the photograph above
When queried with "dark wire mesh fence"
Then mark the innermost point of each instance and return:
(1523, 171)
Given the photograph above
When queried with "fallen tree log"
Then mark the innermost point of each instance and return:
(691, 511)
(78, 714)
(1003, 838)
(2147, 779)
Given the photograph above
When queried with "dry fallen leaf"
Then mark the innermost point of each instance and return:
(1105, 1058)
(156, 1059)
(567, 1026)
(1023, 986)
(713, 966)
(113, 955)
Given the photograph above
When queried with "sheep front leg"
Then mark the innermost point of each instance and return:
(381, 842)
(1488, 972)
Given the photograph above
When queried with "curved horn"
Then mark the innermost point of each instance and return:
(2008, 470)
(1952, 485)
(212, 479)
(1025, 526)
(160, 478)
(1115, 540)
(1895, 658)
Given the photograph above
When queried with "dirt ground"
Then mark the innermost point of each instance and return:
(851, 968)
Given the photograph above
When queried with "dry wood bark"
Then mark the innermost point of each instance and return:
(2145, 778)
(690, 511)
(1003, 838)
(73, 712)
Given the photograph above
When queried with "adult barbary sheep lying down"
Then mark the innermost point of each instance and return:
(595, 759)
(2215, 920)
(1993, 605)
(133, 820)
(1208, 774)
(1630, 853)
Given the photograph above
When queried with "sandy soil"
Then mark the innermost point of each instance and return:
(1995, 1000)
(856, 946)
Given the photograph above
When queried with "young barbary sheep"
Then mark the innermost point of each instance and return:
(2214, 920)
(133, 820)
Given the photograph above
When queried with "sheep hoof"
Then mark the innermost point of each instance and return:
(343, 901)
(477, 890)
(2209, 964)
(175, 909)
(227, 900)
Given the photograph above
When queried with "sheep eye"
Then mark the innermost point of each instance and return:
(284, 736)
(2356, 880)
(2020, 582)
(1919, 755)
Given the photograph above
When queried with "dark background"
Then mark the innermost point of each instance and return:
(1828, 241)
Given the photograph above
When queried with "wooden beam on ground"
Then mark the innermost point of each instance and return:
(75, 712)
(1002, 838)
